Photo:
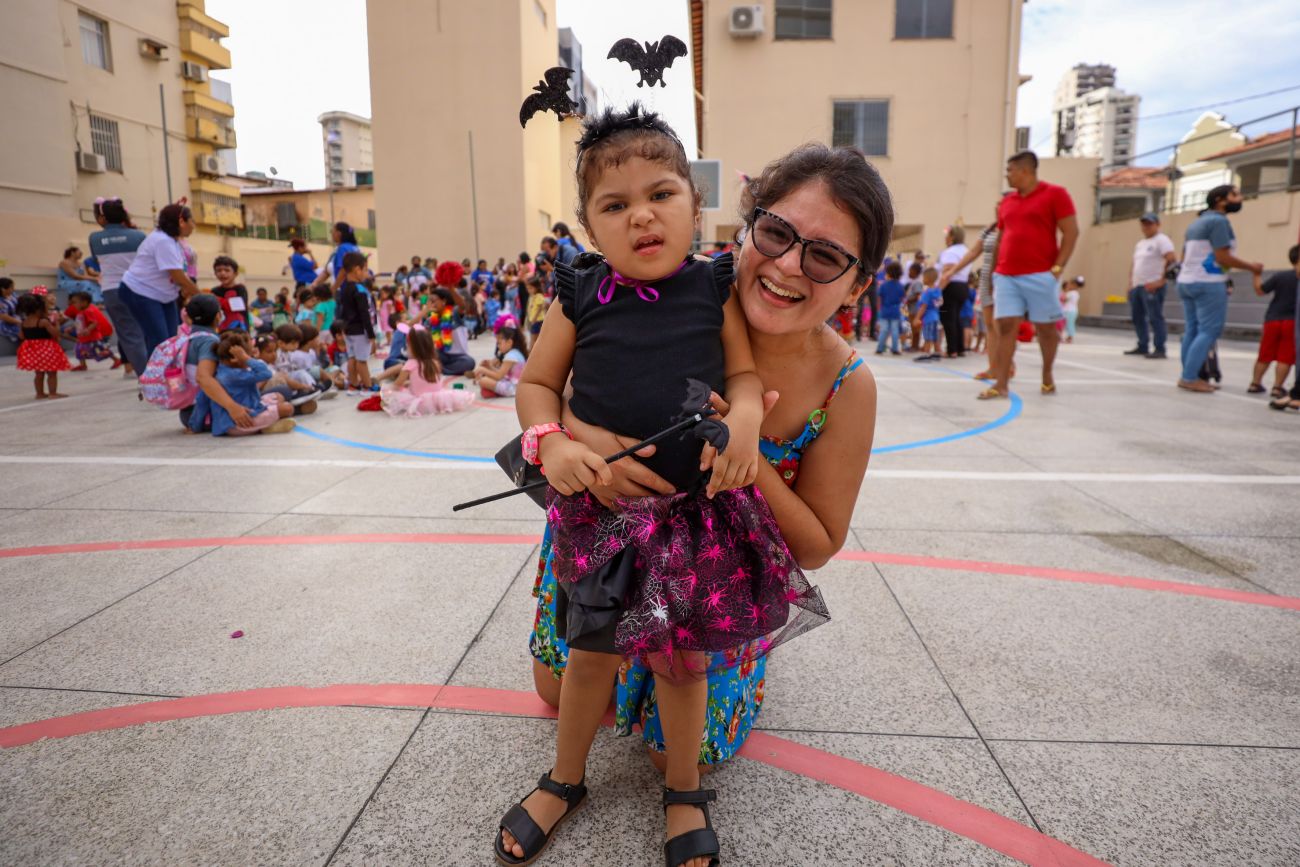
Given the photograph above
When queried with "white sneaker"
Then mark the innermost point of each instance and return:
(304, 397)
(352, 392)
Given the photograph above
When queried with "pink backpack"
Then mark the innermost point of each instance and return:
(164, 383)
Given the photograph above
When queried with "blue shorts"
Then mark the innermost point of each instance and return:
(930, 332)
(1032, 296)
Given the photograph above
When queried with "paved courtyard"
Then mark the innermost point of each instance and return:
(1066, 631)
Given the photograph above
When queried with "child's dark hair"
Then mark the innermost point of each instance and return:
(336, 328)
(264, 340)
(419, 346)
(893, 270)
(228, 261)
(80, 296)
(229, 340)
(1294, 254)
(914, 270)
(392, 321)
(308, 331)
(516, 338)
(323, 292)
(353, 260)
(203, 309)
(533, 282)
(445, 295)
(853, 183)
(31, 305)
(6, 283)
(615, 136)
(289, 333)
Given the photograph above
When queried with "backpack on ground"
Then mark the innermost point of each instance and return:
(164, 382)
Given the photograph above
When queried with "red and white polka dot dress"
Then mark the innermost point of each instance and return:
(43, 355)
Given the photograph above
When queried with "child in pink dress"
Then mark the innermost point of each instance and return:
(419, 389)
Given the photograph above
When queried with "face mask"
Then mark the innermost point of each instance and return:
(1232, 207)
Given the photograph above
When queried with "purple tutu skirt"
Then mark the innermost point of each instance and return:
(709, 576)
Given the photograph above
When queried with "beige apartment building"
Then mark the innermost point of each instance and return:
(927, 88)
(84, 88)
(455, 175)
(348, 148)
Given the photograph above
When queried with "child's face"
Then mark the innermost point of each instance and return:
(309, 302)
(80, 303)
(261, 294)
(503, 344)
(288, 345)
(356, 275)
(225, 274)
(642, 216)
(267, 353)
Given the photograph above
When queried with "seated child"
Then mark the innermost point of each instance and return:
(240, 374)
(293, 391)
(419, 389)
(93, 331)
(263, 312)
(497, 377)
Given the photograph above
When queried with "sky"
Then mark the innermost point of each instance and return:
(1159, 47)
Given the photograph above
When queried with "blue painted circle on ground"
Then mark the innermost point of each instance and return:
(1012, 413)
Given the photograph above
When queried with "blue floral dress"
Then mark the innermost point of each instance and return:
(736, 691)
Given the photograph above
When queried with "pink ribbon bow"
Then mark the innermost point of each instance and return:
(644, 290)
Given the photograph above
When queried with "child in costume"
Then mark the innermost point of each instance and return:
(40, 350)
(419, 389)
(93, 331)
(646, 334)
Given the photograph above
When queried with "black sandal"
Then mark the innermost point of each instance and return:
(697, 843)
(527, 832)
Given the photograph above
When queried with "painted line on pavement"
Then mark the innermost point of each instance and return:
(287, 463)
(932, 806)
(1267, 600)
(1101, 478)
(37, 404)
(389, 450)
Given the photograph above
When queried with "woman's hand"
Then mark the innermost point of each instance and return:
(631, 477)
(570, 466)
(239, 415)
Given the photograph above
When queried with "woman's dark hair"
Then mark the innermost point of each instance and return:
(228, 261)
(68, 252)
(854, 185)
(229, 340)
(419, 344)
(169, 219)
(203, 309)
(445, 295)
(561, 230)
(346, 235)
(323, 292)
(516, 338)
(30, 305)
(893, 270)
(114, 212)
(308, 331)
(289, 333)
(615, 136)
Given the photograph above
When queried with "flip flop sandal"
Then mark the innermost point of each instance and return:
(700, 843)
(1277, 391)
(1047, 389)
(1283, 404)
(1255, 388)
(985, 375)
(527, 832)
(990, 394)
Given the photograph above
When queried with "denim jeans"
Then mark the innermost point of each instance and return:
(1205, 309)
(889, 329)
(1137, 307)
(158, 320)
(130, 339)
(1155, 313)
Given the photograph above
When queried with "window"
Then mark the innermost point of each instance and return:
(803, 19)
(104, 141)
(922, 19)
(94, 42)
(862, 124)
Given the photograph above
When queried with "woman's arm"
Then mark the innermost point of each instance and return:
(183, 282)
(972, 254)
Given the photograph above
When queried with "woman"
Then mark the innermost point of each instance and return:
(345, 241)
(301, 262)
(115, 246)
(816, 195)
(75, 277)
(157, 278)
(954, 278)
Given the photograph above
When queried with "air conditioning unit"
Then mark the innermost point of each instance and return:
(207, 164)
(193, 71)
(746, 21)
(90, 162)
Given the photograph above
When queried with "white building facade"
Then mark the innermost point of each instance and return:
(1093, 117)
(349, 149)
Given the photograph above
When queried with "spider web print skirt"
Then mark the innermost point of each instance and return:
(708, 576)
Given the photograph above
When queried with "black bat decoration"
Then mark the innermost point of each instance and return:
(650, 61)
(551, 95)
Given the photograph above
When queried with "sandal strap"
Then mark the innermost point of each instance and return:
(692, 844)
(527, 832)
(699, 796)
(570, 793)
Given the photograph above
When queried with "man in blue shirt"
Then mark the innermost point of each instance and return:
(1208, 255)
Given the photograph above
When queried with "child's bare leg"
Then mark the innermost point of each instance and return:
(683, 705)
(546, 684)
(53, 378)
(1280, 372)
(588, 683)
(40, 385)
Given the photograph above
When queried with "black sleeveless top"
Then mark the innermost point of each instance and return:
(632, 357)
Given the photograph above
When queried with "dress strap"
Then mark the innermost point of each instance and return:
(853, 363)
(817, 418)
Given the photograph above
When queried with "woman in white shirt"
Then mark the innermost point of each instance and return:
(956, 291)
(157, 278)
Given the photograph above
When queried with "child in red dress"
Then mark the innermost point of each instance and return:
(93, 331)
(40, 350)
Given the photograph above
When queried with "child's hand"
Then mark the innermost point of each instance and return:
(238, 355)
(570, 466)
(708, 454)
(736, 467)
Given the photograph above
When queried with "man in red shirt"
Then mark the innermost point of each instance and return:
(1029, 266)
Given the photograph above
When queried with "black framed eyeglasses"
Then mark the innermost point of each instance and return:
(821, 261)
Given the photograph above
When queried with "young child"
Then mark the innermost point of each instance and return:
(702, 571)
(241, 374)
(536, 310)
(280, 315)
(233, 296)
(891, 295)
(306, 311)
(387, 307)
(977, 290)
(1277, 340)
(326, 308)
(930, 302)
(93, 331)
(451, 336)
(498, 377)
(419, 390)
(1070, 306)
(40, 351)
(358, 330)
(263, 311)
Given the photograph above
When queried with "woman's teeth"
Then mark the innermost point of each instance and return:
(778, 291)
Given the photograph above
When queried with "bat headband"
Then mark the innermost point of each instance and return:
(610, 122)
(549, 95)
(650, 60)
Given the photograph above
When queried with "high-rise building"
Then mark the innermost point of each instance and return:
(1093, 118)
(349, 149)
(892, 79)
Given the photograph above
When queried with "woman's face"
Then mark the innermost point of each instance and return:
(337, 236)
(799, 304)
(76, 256)
(186, 225)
